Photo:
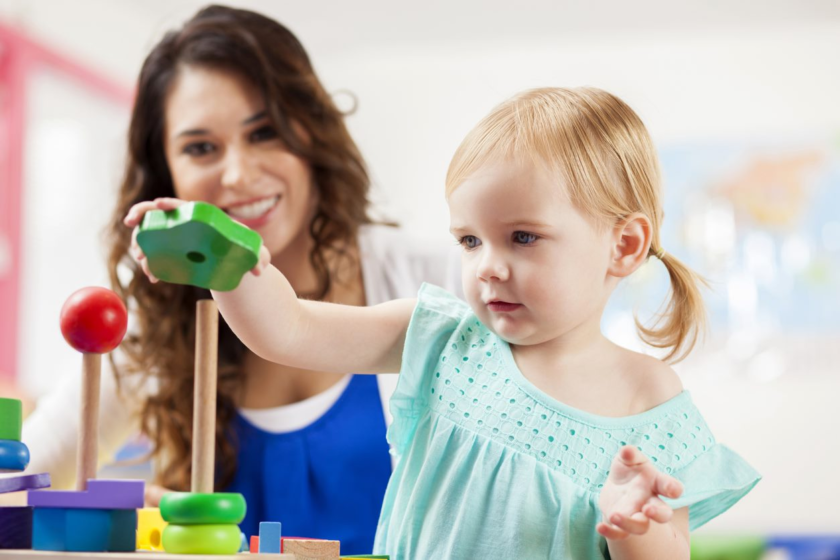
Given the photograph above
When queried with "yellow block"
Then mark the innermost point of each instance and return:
(150, 529)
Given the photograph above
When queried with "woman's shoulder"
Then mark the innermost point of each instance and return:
(395, 263)
(383, 239)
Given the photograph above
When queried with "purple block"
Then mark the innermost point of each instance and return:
(26, 482)
(101, 494)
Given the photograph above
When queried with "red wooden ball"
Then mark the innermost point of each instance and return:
(94, 320)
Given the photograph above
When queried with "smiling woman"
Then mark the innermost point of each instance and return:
(229, 111)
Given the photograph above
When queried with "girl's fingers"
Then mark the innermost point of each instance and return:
(667, 486)
(636, 524)
(265, 259)
(145, 265)
(631, 457)
(136, 212)
(611, 532)
(657, 510)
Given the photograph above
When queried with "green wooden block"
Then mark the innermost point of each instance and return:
(199, 245)
(11, 419)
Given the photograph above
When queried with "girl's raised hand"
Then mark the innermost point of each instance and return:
(630, 499)
(135, 217)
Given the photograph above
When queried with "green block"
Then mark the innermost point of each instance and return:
(199, 245)
(11, 419)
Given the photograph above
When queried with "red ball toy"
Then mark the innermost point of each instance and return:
(94, 320)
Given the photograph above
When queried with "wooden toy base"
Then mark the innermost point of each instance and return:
(140, 554)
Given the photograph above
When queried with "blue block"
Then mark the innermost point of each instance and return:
(48, 529)
(269, 537)
(14, 455)
(84, 530)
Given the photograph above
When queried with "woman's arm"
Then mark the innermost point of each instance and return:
(267, 316)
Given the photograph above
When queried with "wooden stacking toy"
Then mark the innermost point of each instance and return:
(198, 244)
(100, 515)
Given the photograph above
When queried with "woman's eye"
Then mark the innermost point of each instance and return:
(198, 148)
(524, 238)
(470, 241)
(264, 133)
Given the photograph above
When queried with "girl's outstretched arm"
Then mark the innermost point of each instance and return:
(267, 316)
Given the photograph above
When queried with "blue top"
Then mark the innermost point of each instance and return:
(489, 466)
(339, 475)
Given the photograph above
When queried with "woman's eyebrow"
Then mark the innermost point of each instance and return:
(199, 131)
(254, 118)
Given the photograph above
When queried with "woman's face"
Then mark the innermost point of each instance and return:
(222, 148)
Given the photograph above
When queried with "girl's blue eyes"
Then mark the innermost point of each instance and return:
(470, 241)
(520, 237)
(524, 237)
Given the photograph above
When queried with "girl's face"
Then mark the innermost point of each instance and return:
(534, 267)
(221, 148)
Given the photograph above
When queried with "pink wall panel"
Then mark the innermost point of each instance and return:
(19, 58)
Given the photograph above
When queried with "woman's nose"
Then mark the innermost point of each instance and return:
(239, 169)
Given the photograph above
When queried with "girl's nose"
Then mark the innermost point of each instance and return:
(492, 267)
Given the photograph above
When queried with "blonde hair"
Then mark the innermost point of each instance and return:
(606, 159)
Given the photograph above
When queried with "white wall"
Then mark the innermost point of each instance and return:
(730, 72)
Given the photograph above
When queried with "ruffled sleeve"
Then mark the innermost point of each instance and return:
(713, 482)
(435, 320)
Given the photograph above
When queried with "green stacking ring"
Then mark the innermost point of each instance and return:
(202, 539)
(11, 418)
(190, 508)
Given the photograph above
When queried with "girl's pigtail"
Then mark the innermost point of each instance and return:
(684, 319)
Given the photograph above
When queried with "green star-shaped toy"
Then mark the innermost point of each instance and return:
(198, 244)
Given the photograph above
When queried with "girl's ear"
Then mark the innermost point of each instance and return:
(630, 244)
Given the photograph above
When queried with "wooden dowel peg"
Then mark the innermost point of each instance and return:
(86, 460)
(204, 405)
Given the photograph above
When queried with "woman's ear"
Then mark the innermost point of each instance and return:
(630, 244)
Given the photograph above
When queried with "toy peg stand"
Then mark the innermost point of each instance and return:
(93, 321)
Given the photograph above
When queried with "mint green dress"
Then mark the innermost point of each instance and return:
(488, 466)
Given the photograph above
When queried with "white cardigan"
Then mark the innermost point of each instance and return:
(394, 265)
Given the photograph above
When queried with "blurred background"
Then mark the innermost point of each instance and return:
(741, 98)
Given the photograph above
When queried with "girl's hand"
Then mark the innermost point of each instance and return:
(630, 499)
(135, 217)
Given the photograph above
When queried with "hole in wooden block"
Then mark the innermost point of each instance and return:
(196, 257)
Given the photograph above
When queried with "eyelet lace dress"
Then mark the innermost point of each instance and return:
(489, 466)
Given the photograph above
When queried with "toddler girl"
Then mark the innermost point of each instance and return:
(520, 430)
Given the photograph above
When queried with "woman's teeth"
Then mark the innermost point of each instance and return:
(253, 210)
